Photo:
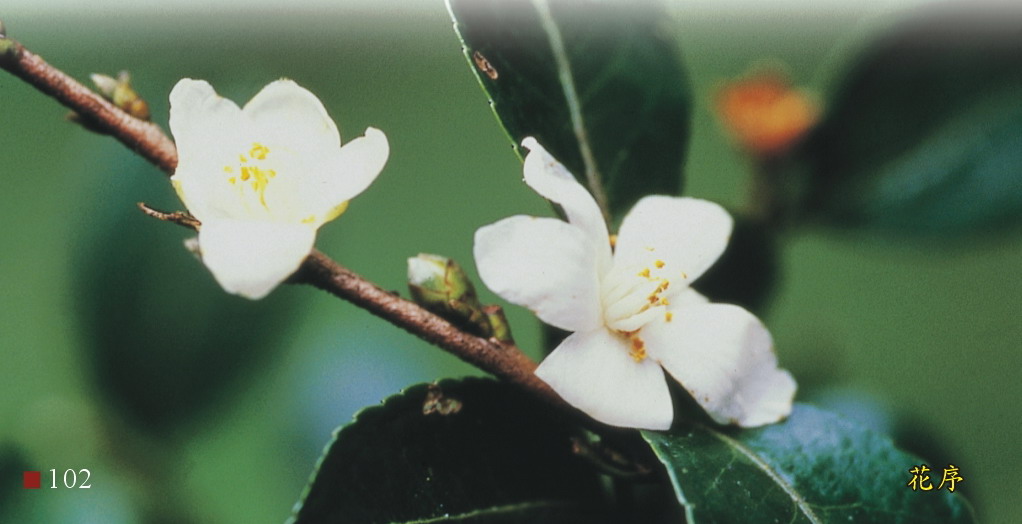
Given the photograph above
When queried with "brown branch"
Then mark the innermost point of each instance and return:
(145, 138)
(503, 360)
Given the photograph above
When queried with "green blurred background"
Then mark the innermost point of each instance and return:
(119, 354)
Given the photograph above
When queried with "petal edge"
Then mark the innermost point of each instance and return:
(251, 258)
(594, 372)
(543, 264)
(723, 356)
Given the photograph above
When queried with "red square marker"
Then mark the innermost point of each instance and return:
(32, 479)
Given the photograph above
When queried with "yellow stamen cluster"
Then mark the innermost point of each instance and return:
(259, 176)
(629, 298)
(259, 151)
(654, 298)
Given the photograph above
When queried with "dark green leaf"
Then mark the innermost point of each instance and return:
(485, 453)
(746, 274)
(924, 134)
(626, 107)
(813, 467)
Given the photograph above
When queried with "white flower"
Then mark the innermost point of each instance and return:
(629, 307)
(264, 178)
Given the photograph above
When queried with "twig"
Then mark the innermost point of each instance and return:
(503, 360)
(506, 361)
(179, 218)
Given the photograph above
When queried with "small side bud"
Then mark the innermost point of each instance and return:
(499, 326)
(3, 30)
(440, 285)
(121, 94)
(8, 49)
(104, 84)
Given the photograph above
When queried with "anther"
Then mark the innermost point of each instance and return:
(638, 351)
(258, 151)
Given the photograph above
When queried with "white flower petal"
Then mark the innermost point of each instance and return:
(723, 356)
(543, 264)
(687, 234)
(207, 131)
(636, 321)
(594, 372)
(289, 116)
(250, 258)
(688, 297)
(549, 178)
(354, 167)
(198, 114)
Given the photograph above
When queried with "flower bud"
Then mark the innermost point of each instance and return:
(119, 91)
(498, 324)
(440, 285)
(105, 84)
(8, 49)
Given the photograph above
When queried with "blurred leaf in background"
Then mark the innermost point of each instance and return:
(748, 272)
(923, 134)
(164, 341)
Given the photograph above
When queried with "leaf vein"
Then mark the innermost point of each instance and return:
(802, 504)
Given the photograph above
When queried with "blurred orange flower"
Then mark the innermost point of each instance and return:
(764, 113)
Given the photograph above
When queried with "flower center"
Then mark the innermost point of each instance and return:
(251, 175)
(634, 297)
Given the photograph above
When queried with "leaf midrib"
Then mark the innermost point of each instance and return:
(801, 503)
(567, 80)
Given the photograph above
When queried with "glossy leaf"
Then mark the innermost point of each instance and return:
(814, 467)
(598, 84)
(463, 451)
(924, 134)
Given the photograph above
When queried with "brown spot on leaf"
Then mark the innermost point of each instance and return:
(437, 403)
(484, 65)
